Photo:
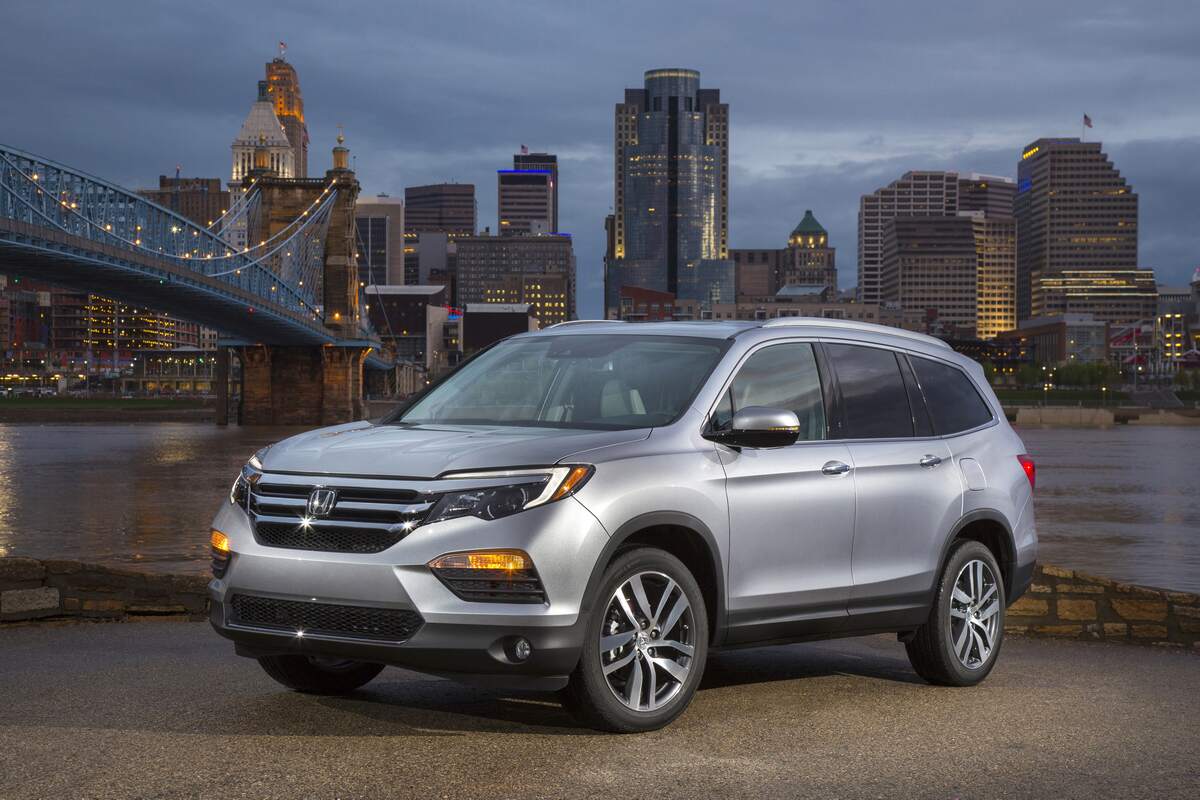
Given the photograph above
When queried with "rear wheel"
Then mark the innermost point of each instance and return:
(959, 643)
(318, 675)
(645, 645)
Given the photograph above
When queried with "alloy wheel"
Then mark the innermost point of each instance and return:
(647, 641)
(974, 614)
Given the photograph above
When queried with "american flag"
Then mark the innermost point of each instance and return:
(524, 150)
(282, 47)
(1087, 121)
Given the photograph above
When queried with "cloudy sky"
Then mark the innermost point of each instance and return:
(827, 100)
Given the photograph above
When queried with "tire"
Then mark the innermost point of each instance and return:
(959, 643)
(636, 665)
(314, 675)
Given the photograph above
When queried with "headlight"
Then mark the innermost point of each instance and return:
(251, 472)
(528, 488)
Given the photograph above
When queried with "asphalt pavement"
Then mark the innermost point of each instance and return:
(166, 710)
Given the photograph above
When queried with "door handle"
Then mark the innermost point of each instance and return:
(930, 461)
(835, 468)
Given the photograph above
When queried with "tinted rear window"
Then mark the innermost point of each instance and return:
(874, 401)
(952, 399)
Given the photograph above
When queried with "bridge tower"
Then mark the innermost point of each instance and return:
(306, 384)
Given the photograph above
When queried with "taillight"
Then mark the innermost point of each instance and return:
(1030, 470)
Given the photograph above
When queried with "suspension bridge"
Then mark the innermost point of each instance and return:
(276, 274)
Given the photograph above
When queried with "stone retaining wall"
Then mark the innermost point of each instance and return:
(1066, 604)
(31, 589)
(1060, 603)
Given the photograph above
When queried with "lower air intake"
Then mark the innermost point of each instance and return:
(351, 622)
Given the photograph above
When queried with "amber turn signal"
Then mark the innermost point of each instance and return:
(220, 542)
(507, 560)
(574, 479)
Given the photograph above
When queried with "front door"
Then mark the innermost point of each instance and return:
(791, 509)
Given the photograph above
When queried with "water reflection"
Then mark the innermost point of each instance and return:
(1120, 502)
(131, 494)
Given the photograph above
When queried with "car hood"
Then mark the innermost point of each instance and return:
(425, 451)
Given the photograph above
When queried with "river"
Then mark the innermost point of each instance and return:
(1122, 502)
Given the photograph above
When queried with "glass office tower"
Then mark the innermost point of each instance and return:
(671, 217)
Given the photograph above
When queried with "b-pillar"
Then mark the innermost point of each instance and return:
(310, 384)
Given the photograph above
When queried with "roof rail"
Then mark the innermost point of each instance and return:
(845, 324)
(580, 322)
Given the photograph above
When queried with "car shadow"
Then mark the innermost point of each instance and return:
(431, 707)
(876, 658)
(400, 703)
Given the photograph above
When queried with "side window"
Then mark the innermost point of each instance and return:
(953, 400)
(874, 400)
(779, 376)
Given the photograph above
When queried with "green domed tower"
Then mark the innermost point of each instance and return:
(809, 260)
(808, 233)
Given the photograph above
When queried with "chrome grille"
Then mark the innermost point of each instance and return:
(364, 518)
(353, 622)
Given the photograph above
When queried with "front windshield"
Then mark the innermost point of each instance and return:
(573, 381)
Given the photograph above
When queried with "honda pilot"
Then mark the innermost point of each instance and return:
(596, 507)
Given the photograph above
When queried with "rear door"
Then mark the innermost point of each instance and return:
(908, 492)
(791, 509)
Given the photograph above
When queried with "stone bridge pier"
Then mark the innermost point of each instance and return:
(306, 384)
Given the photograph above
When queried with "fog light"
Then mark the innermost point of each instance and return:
(522, 649)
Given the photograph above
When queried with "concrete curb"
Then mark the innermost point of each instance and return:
(1061, 603)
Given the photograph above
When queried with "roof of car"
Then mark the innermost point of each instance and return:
(724, 329)
(715, 329)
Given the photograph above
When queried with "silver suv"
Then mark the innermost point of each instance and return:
(595, 507)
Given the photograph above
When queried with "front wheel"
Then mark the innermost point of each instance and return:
(959, 643)
(317, 675)
(645, 645)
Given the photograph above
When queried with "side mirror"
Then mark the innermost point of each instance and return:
(759, 426)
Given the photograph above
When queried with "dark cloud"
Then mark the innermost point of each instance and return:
(828, 100)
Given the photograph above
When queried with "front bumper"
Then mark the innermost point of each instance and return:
(469, 641)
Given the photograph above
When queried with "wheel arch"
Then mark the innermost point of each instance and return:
(991, 529)
(682, 535)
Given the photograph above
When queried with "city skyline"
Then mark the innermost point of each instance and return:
(813, 133)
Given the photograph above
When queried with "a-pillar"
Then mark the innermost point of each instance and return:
(302, 385)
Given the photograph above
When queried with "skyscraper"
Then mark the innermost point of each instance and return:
(930, 270)
(284, 86)
(549, 163)
(526, 198)
(992, 194)
(434, 216)
(913, 194)
(1074, 212)
(262, 128)
(988, 200)
(441, 208)
(671, 209)
(379, 226)
(996, 278)
(493, 268)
